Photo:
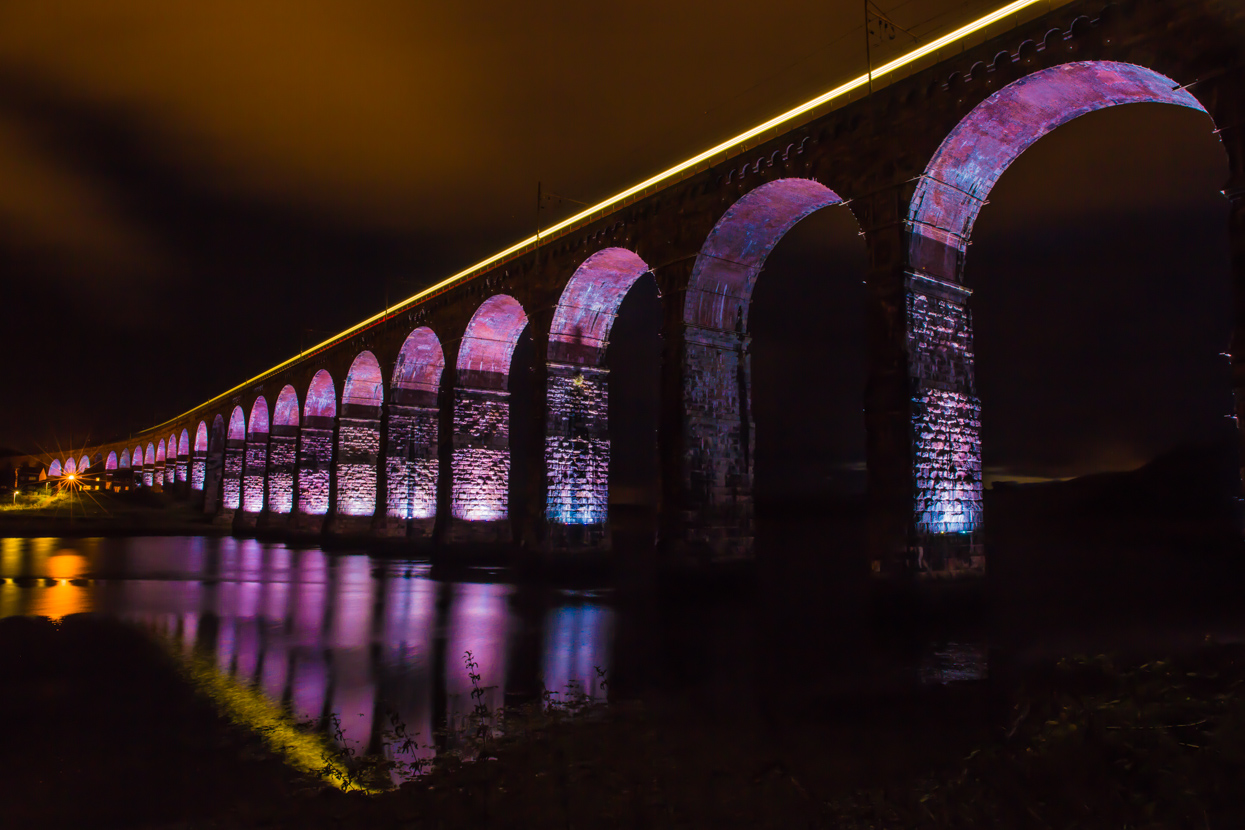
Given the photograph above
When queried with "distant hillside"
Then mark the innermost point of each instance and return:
(1190, 485)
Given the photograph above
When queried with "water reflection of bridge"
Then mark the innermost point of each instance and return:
(322, 635)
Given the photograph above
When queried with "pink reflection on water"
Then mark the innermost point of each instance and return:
(310, 684)
(352, 603)
(275, 669)
(190, 630)
(226, 638)
(409, 624)
(311, 596)
(478, 623)
(275, 590)
(354, 696)
(577, 643)
(246, 644)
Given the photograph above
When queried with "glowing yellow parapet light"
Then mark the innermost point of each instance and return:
(731, 143)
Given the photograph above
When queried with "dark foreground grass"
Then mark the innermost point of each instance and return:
(101, 730)
(140, 512)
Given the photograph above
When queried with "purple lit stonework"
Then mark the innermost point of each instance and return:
(577, 443)
(170, 461)
(481, 455)
(283, 452)
(255, 464)
(959, 178)
(315, 453)
(235, 453)
(718, 433)
(358, 437)
(481, 478)
(199, 457)
(183, 457)
(946, 414)
(411, 466)
(158, 469)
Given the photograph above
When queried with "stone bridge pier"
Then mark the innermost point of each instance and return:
(922, 414)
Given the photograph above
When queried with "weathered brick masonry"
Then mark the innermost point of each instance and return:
(235, 454)
(481, 455)
(255, 473)
(577, 447)
(718, 441)
(282, 465)
(411, 467)
(358, 446)
(314, 459)
(946, 414)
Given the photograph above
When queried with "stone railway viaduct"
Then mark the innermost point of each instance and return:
(399, 427)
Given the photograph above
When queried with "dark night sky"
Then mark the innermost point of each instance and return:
(185, 188)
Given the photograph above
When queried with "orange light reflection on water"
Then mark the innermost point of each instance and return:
(59, 600)
(41, 585)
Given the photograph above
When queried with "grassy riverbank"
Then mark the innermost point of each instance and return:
(103, 729)
(103, 513)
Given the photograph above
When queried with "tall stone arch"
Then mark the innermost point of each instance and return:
(716, 508)
(577, 438)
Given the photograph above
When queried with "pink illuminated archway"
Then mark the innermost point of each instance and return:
(258, 423)
(321, 397)
(419, 365)
(54, 469)
(136, 457)
(970, 161)
(183, 445)
(160, 452)
(481, 468)
(69, 467)
(358, 437)
(285, 413)
(490, 338)
(124, 462)
(84, 464)
(237, 425)
(411, 465)
(727, 266)
(150, 457)
(201, 437)
(316, 445)
(589, 304)
(110, 463)
(364, 385)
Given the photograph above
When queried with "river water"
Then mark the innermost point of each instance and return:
(363, 638)
(324, 633)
